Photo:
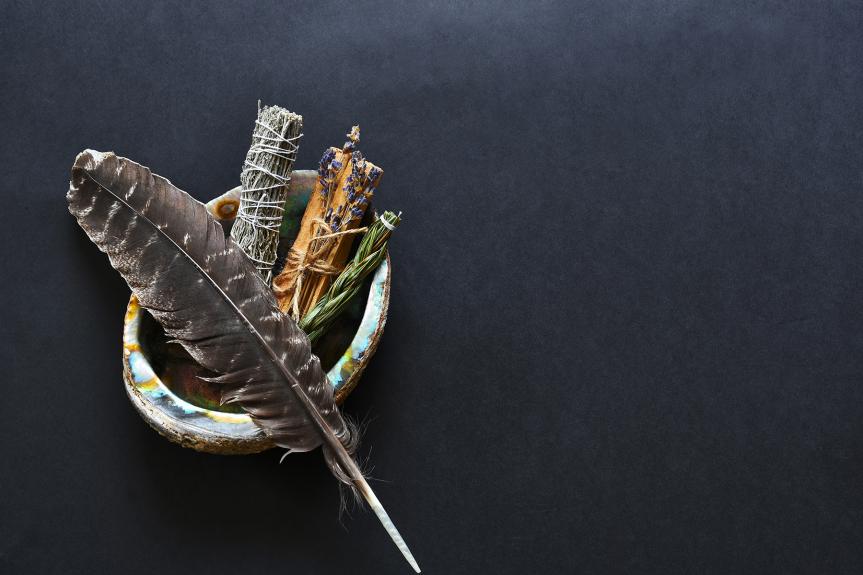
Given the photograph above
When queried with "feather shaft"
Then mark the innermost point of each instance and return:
(352, 469)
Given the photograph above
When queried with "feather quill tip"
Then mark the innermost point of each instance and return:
(384, 518)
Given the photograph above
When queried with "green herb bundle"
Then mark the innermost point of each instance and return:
(370, 253)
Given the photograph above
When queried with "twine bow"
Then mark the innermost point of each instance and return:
(312, 260)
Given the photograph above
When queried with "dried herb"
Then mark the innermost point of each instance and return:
(265, 179)
(370, 253)
(345, 186)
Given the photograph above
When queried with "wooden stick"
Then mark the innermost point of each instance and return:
(337, 254)
(345, 186)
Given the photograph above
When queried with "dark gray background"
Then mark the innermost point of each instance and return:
(626, 330)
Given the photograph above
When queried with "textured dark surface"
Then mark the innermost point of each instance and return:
(626, 329)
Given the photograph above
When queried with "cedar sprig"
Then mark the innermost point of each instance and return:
(370, 253)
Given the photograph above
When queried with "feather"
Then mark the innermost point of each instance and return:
(205, 292)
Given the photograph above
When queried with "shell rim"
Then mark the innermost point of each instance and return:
(231, 433)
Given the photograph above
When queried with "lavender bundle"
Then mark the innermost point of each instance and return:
(345, 186)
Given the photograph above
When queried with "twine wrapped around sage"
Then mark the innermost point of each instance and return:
(265, 178)
(370, 253)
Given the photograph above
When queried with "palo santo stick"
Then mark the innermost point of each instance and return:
(356, 184)
(288, 284)
(338, 202)
(265, 178)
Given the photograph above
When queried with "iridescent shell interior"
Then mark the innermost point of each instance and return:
(163, 382)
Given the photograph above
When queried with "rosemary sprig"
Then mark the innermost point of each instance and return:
(370, 253)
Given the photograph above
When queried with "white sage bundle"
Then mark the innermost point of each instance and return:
(265, 179)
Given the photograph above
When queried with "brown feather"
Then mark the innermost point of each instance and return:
(203, 290)
(207, 295)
